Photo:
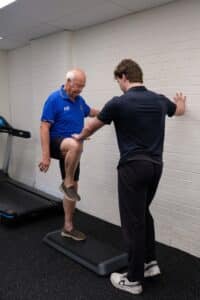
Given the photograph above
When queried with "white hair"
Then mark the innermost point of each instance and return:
(70, 75)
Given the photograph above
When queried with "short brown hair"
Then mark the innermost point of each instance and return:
(130, 69)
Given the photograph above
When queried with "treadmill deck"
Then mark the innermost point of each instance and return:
(17, 201)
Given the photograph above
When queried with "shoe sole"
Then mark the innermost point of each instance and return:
(150, 274)
(121, 287)
(72, 237)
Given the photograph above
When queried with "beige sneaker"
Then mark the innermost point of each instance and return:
(73, 234)
(70, 192)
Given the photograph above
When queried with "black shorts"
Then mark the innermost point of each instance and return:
(56, 153)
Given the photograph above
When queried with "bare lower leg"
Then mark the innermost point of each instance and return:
(69, 208)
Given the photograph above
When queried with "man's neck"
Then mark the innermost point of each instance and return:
(133, 84)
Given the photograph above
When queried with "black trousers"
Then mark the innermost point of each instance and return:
(137, 183)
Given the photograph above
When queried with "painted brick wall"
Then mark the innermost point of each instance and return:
(4, 99)
(165, 41)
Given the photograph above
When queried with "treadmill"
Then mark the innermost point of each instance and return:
(17, 200)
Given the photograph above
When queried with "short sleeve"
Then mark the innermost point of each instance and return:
(109, 111)
(86, 108)
(170, 106)
(48, 113)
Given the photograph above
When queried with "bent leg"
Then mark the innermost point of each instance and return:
(68, 205)
(71, 151)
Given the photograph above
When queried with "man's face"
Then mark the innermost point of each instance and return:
(74, 87)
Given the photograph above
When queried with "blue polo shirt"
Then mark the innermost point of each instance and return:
(139, 119)
(66, 116)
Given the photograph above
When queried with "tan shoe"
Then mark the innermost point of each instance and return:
(70, 192)
(73, 234)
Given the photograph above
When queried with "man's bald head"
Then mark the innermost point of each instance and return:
(75, 82)
(76, 74)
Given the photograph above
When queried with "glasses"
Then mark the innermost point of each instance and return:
(77, 85)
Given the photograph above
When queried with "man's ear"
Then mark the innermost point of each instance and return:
(124, 77)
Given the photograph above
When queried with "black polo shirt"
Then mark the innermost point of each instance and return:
(139, 119)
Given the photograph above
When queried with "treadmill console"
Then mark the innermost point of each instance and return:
(4, 124)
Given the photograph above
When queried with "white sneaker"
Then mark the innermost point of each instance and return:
(151, 269)
(120, 281)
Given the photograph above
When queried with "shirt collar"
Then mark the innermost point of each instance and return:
(63, 93)
(137, 88)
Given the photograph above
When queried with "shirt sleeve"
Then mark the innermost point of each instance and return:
(170, 106)
(86, 108)
(48, 113)
(109, 111)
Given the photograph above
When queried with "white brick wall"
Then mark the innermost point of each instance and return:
(165, 41)
(20, 95)
(4, 99)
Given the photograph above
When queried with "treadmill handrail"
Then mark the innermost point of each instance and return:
(7, 128)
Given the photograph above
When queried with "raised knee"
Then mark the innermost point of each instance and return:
(70, 144)
(76, 146)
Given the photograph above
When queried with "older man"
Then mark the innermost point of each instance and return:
(63, 115)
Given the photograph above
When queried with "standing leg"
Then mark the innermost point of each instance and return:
(151, 265)
(150, 251)
(69, 209)
(133, 180)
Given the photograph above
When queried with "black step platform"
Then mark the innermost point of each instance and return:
(96, 255)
